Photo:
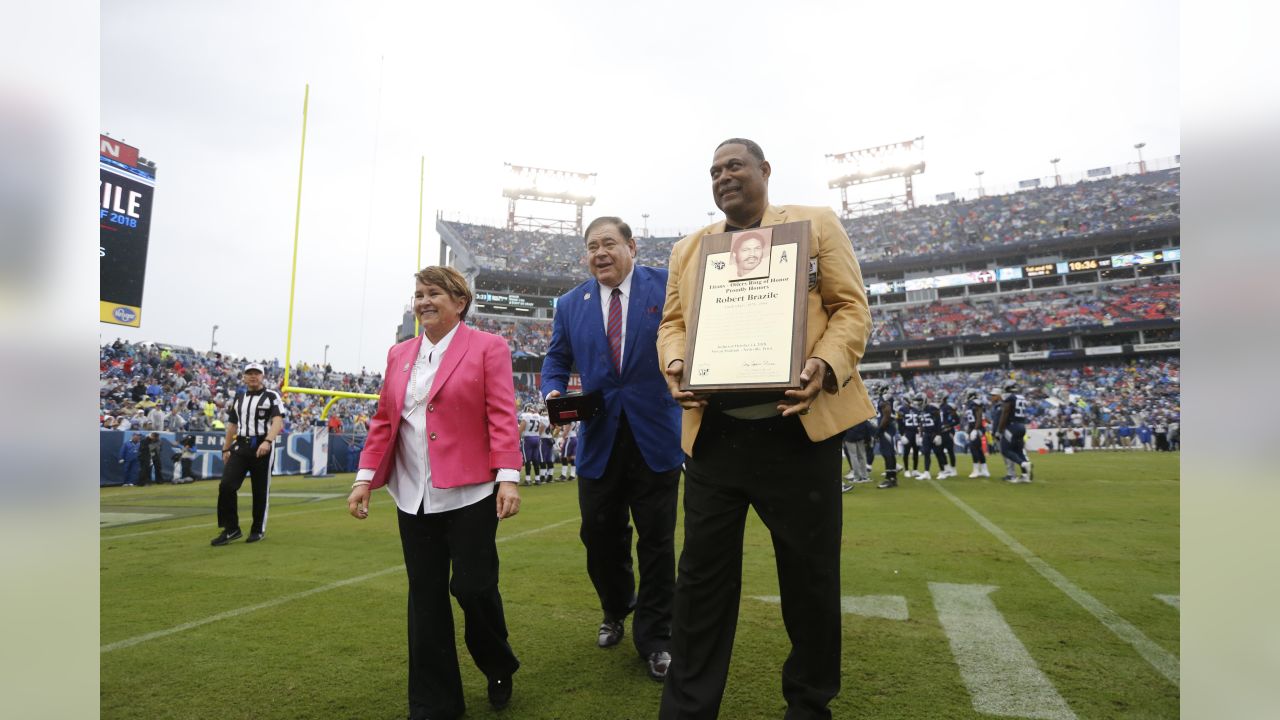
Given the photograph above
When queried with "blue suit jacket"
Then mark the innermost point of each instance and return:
(578, 341)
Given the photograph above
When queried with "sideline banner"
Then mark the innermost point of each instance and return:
(293, 455)
(320, 449)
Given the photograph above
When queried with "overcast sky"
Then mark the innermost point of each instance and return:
(212, 92)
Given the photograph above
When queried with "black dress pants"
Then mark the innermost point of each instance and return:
(630, 491)
(794, 486)
(259, 470)
(463, 539)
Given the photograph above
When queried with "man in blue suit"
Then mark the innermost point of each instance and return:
(629, 454)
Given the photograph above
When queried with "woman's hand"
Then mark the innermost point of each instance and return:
(358, 501)
(508, 500)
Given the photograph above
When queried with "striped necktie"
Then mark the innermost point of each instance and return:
(615, 328)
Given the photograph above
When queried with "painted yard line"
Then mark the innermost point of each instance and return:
(1001, 675)
(130, 642)
(1173, 601)
(113, 519)
(887, 607)
(1162, 660)
(206, 526)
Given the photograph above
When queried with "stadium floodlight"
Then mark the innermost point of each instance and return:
(875, 164)
(530, 183)
(565, 187)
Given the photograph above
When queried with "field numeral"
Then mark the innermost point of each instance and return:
(1002, 677)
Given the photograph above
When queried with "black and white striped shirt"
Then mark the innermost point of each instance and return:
(252, 411)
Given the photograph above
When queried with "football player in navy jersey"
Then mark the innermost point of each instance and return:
(1012, 431)
(975, 423)
(908, 416)
(929, 418)
(886, 428)
(950, 421)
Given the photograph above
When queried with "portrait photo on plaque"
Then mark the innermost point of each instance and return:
(749, 252)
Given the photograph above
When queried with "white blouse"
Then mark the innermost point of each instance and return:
(410, 483)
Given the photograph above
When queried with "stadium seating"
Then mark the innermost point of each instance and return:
(1157, 299)
(1117, 203)
(181, 382)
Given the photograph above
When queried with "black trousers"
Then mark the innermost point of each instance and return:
(463, 539)
(144, 470)
(630, 491)
(259, 470)
(793, 484)
(186, 468)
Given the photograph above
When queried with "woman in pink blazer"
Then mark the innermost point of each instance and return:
(444, 442)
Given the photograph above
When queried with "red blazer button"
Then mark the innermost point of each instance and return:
(433, 436)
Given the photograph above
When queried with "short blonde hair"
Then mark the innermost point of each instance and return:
(449, 280)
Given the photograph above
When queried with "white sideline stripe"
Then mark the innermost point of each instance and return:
(206, 525)
(317, 496)
(112, 519)
(1174, 601)
(130, 642)
(1162, 660)
(1001, 675)
(888, 607)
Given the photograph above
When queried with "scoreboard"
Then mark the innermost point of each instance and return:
(1018, 272)
(126, 188)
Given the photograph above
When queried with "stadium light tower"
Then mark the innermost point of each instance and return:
(646, 223)
(877, 164)
(1057, 179)
(213, 339)
(980, 191)
(563, 187)
(1142, 164)
(326, 353)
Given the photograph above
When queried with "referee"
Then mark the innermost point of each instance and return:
(261, 413)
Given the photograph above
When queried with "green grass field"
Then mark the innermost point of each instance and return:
(1039, 600)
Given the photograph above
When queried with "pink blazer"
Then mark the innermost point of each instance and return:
(471, 412)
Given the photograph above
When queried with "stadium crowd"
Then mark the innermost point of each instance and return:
(147, 386)
(1152, 299)
(1115, 203)
(1148, 299)
(154, 387)
(525, 336)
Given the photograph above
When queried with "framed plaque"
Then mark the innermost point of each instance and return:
(745, 329)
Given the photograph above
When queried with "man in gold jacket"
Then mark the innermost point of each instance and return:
(776, 452)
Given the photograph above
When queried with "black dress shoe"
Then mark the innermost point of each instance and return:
(255, 537)
(500, 691)
(658, 663)
(226, 536)
(891, 483)
(611, 632)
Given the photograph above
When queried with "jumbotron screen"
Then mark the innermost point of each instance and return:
(126, 189)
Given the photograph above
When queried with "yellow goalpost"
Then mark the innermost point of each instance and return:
(333, 395)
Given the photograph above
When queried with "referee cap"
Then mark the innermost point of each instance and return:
(254, 366)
